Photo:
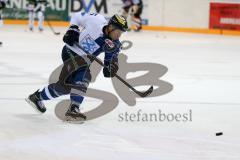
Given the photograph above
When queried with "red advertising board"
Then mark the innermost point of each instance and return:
(225, 16)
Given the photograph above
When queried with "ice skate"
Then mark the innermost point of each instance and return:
(74, 114)
(35, 101)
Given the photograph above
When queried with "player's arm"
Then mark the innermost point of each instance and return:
(111, 61)
(73, 32)
(111, 66)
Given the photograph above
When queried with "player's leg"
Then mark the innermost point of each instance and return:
(49, 92)
(31, 20)
(64, 84)
(40, 21)
(53, 90)
(31, 15)
(80, 81)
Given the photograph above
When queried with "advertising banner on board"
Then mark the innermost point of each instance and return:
(225, 16)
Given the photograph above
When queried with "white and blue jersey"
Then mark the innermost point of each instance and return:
(92, 39)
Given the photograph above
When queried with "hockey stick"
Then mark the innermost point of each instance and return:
(50, 26)
(141, 94)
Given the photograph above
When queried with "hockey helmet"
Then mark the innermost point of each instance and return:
(119, 21)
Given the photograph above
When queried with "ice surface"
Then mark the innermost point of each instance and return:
(203, 69)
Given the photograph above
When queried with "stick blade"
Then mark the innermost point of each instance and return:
(146, 93)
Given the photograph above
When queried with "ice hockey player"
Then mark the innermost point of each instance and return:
(135, 7)
(98, 35)
(31, 14)
(2, 6)
(39, 7)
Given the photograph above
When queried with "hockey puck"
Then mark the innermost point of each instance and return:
(219, 134)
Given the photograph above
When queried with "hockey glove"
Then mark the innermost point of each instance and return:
(111, 68)
(72, 35)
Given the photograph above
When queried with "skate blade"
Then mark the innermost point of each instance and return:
(69, 119)
(33, 105)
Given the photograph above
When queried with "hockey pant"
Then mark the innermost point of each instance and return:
(74, 79)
